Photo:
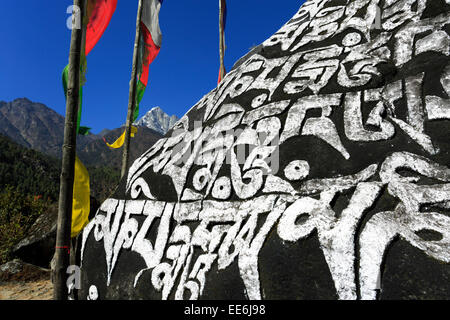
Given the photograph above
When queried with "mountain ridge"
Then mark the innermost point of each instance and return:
(157, 120)
(36, 126)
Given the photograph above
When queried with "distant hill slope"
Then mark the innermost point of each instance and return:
(99, 154)
(34, 173)
(36, 126)
(30, 171)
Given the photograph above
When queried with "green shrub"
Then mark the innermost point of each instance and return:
(18, 212)
(104, 181)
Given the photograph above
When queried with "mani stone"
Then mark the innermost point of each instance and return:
(317, 169)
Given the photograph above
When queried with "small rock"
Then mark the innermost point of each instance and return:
(19, 271)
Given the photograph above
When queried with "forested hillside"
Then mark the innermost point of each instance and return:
(36, 174)
(28, 171)
(29, 185)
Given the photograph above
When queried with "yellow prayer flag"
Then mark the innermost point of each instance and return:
(81, 198)
(119, 142)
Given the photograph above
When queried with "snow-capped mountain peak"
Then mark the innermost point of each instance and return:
(157, 120)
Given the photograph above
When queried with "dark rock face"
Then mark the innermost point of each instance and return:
(38, 247)
(317, 169)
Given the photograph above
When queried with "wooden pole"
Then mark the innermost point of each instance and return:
(62, 249)
(132, 95)
(221, 41)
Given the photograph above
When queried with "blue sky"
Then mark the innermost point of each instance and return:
(35, 45)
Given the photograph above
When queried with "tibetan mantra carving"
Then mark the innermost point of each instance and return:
(349, 97)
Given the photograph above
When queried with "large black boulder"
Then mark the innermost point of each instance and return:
(317, 169)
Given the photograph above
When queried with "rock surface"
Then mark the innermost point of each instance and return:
(319, 171)
(38, 247)
(19, 271)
